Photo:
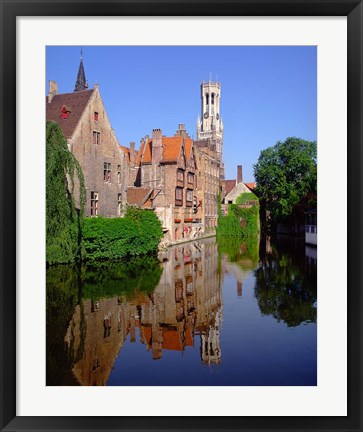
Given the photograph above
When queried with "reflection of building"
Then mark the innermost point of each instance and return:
(186, 303)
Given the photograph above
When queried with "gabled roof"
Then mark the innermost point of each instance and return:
(230, 184)
(251, 185)
(76, 102)
(171, 148)
(138, 195)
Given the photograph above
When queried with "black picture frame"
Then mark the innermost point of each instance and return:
(9, 11)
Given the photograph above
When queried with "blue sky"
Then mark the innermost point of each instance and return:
(267, 93)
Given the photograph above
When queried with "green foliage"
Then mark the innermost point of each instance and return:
(240, 223)
(245, 197)
(285, 173)
(138, 233)
(63, 220)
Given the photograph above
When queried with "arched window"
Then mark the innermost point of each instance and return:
(212, 98)
(207, 98)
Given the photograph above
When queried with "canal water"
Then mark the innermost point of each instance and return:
(201, 314)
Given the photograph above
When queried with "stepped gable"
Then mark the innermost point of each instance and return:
(74, 102)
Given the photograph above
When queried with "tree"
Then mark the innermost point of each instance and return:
(284, 174)
(63, 219)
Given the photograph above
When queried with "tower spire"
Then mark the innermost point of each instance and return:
(81, 82)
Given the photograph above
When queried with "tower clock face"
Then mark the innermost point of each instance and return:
(206, 115)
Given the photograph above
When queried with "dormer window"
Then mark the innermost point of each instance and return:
(95, 116)
(65, 112)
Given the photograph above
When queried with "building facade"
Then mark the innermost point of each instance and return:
(83, 119)
(166, 171)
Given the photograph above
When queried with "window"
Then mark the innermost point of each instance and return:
(95, 116)
(94, 203)
(189, 197)
(179, 196)
(212, 98)
(207, 99)
(119, 204)
(180, 175)
(96, 137)
(119, 174)
(190, 178)
(65, 112)
(180, 178)
(107, 172)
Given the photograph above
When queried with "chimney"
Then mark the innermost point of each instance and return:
(157, 146)
(239, 173)
(182, 131)
(132, 154)
(53, 90)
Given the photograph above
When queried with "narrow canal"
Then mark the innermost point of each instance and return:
(202, 314)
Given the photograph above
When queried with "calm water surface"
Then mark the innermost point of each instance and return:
(202, 314)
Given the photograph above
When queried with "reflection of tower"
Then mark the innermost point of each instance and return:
(210, 343)
(210, 127)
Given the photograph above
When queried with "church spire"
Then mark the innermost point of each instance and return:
(81, 83)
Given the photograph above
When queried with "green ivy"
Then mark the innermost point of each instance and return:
(241, 222)
(245, 197)
(63, 219)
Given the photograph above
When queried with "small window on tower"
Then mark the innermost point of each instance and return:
(95, 116)
(212, 98)
(207, 98)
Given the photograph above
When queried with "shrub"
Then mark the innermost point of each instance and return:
(138, 233)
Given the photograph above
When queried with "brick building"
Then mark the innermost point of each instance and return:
(166, 172)
(208, 184)
(83, 119)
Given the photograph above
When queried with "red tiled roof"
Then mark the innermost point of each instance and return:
(138, 195)
(171, 150)
(141, 152)
(230, 184)
(76, 102)
(188, 144)
(251, 185)
(147, 157)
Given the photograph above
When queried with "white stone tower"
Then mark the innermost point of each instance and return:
(210, 126)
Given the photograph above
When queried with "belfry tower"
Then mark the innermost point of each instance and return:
(81, 83)
(210, 125)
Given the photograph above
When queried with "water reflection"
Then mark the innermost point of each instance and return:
(286, 282)
(131, 323)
